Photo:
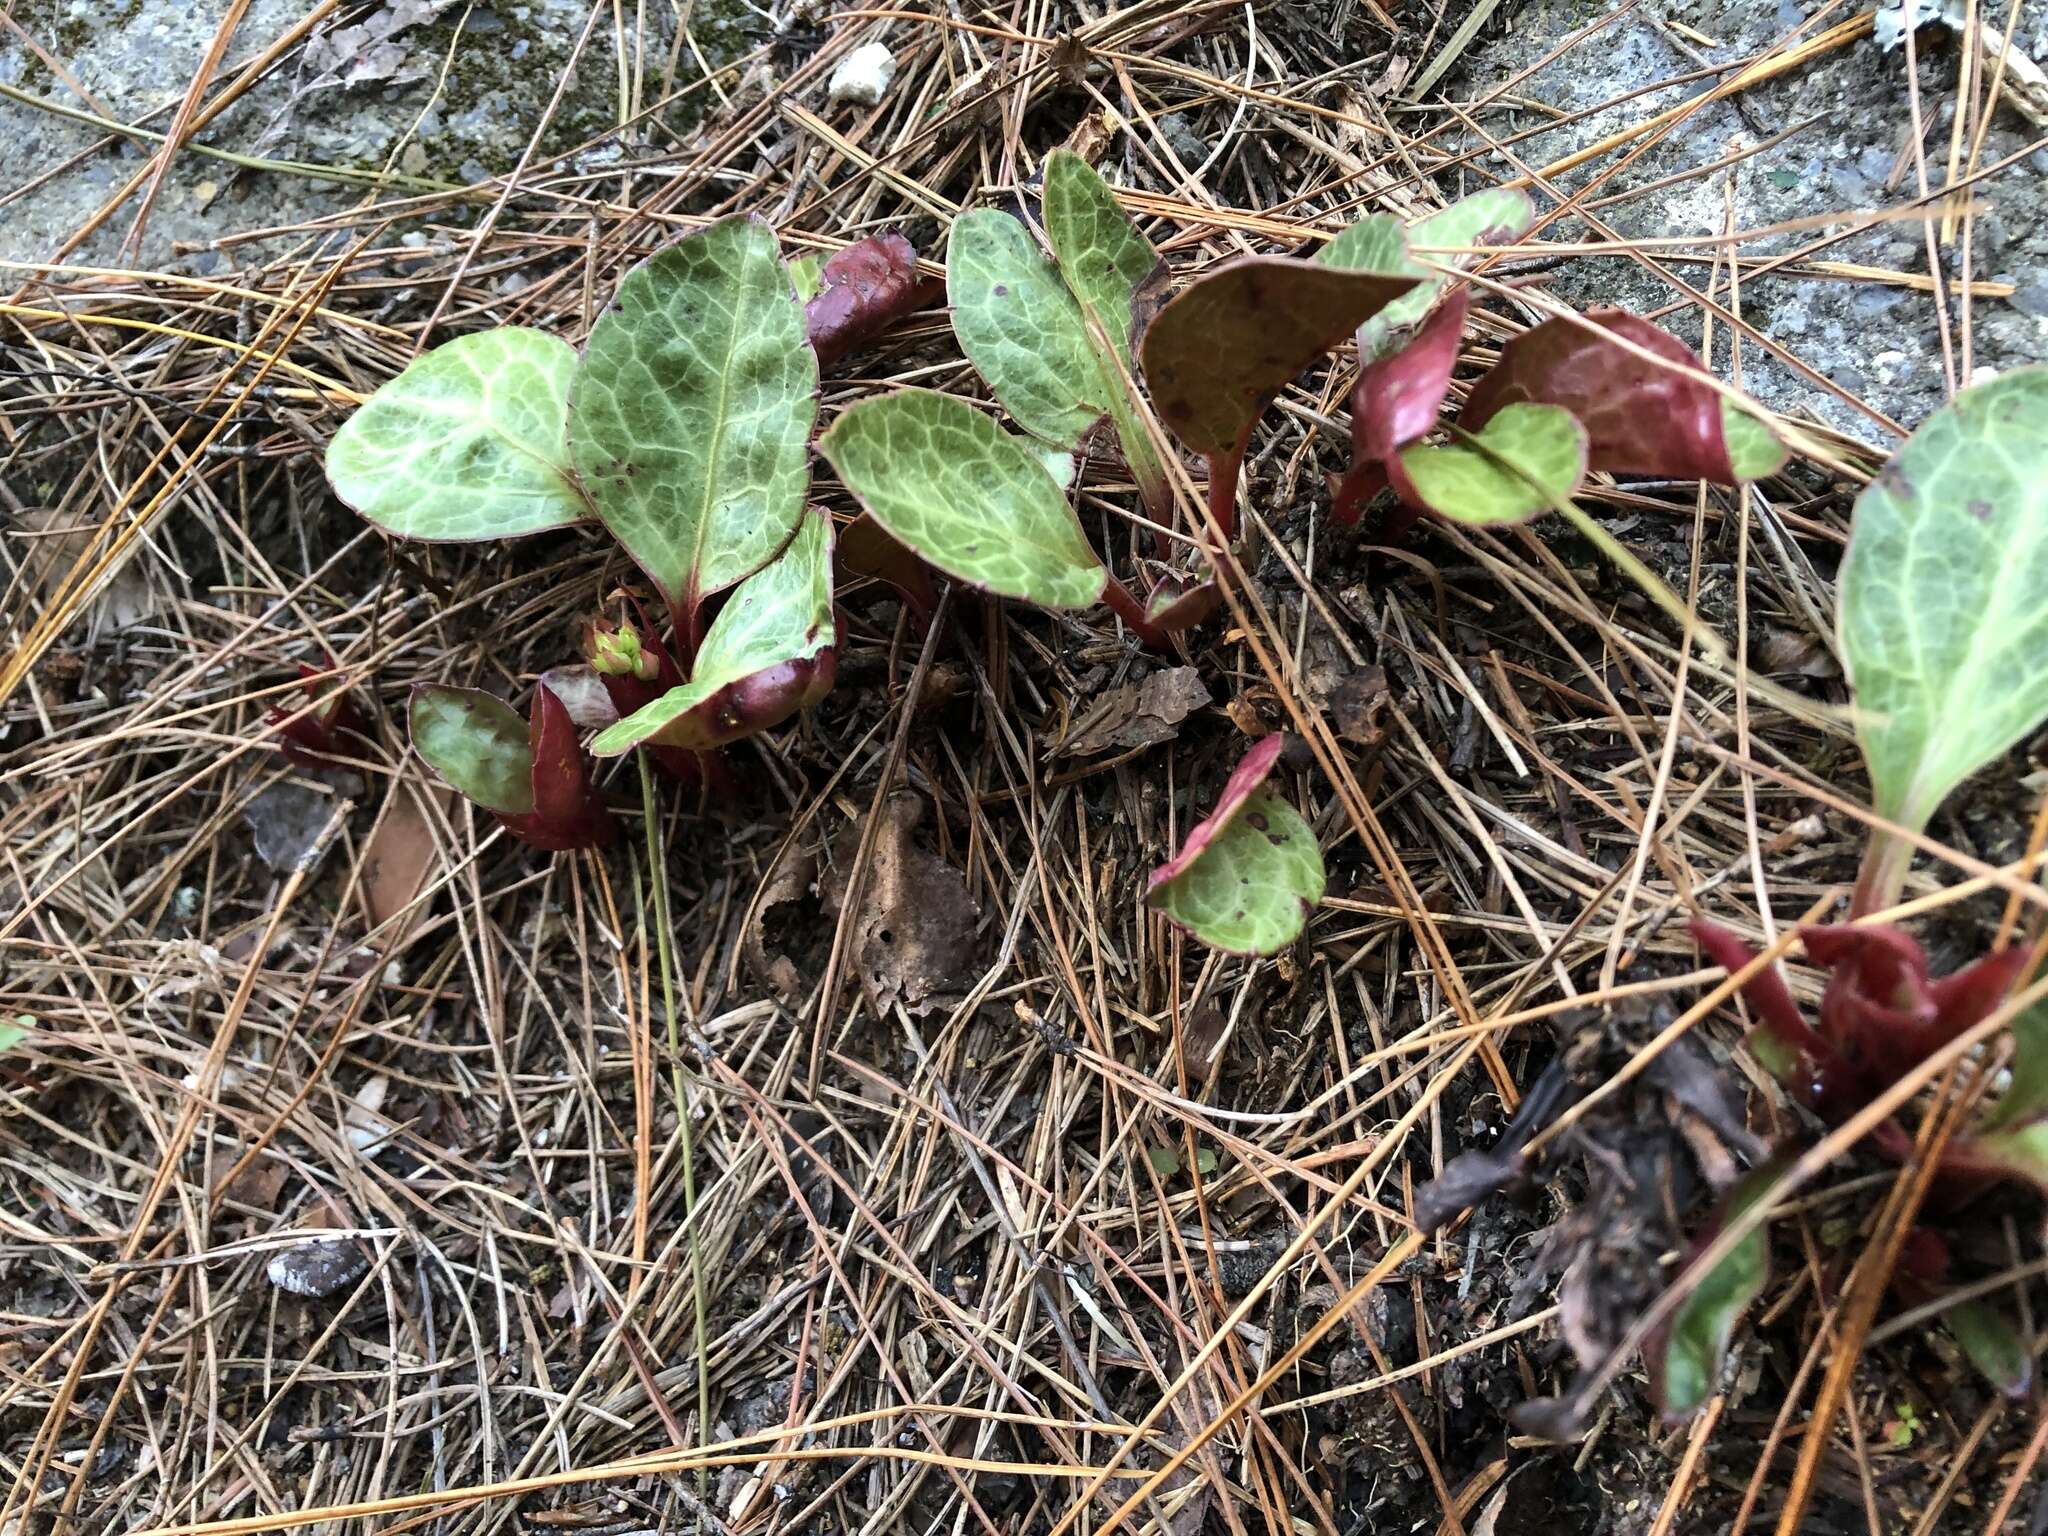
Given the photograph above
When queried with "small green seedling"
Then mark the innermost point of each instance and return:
(1248, 876)
(683, 427)
(529, 773)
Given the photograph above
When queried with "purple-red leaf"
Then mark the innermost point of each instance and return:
(557, 759)
(1880, 1005)
(566, 815)
(1641, 418)
(315, 738)
(1807, 1064)
(1396, 402)
(1249, 774)
(867, 287)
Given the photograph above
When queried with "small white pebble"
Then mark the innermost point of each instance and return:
(863, 76)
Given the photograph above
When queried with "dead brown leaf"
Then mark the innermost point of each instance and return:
(401, 850)
(1141, 714)
(914, 938)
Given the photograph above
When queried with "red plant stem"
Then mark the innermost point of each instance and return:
(1132, 612)
(1883, 873)
(686, 634)
(1224, 469)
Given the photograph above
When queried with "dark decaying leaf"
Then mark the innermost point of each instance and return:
(318, 1269)
(1640, 418)
(1141, 714)
(867, 287)
(1477, 1174)
(1396, 402)
(1223, 345)
(914, 938)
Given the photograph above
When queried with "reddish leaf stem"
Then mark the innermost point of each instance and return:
(1132, 612)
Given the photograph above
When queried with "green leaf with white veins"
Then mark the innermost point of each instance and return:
(1493, 217)
(469, 442)
(691, 410)
(781, 613)
(1943, 595)
(1106, 262)
(1245, 878)
(1021, 327)
(1520, 464)
(948, 483)
(476, 742)
(1100, 252)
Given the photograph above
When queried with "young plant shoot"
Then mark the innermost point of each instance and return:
(1248, 876)
(1943, 616)
(528, 773)
(684, 428)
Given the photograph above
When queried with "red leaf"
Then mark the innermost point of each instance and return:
(558, 790)
(1249, 774)
(868, 287)
(1827, 1082)
(1641, 418)
(314, 738)
(1395, 402)
(1966, 998)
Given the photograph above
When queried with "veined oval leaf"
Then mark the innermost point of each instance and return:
(1099, 251)
(1220, 349)
(1943, 595)
(1640, 417)
(1492, 217)
(948, 483)
(1685, 1358)
(469, 442)
(1246, 878)
(780, 616)
(477, 742)
(691, 409)
(1022, 328)
(1520, 464)
(1113, 271)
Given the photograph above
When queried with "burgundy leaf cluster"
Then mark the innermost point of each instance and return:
(1644, 415)
(1881, 1014)
(318, 737)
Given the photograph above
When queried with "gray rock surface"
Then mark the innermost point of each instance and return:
(1852, 121)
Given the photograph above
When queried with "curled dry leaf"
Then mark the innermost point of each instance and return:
(865, 289)
(1141, 714)
(788, 885)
